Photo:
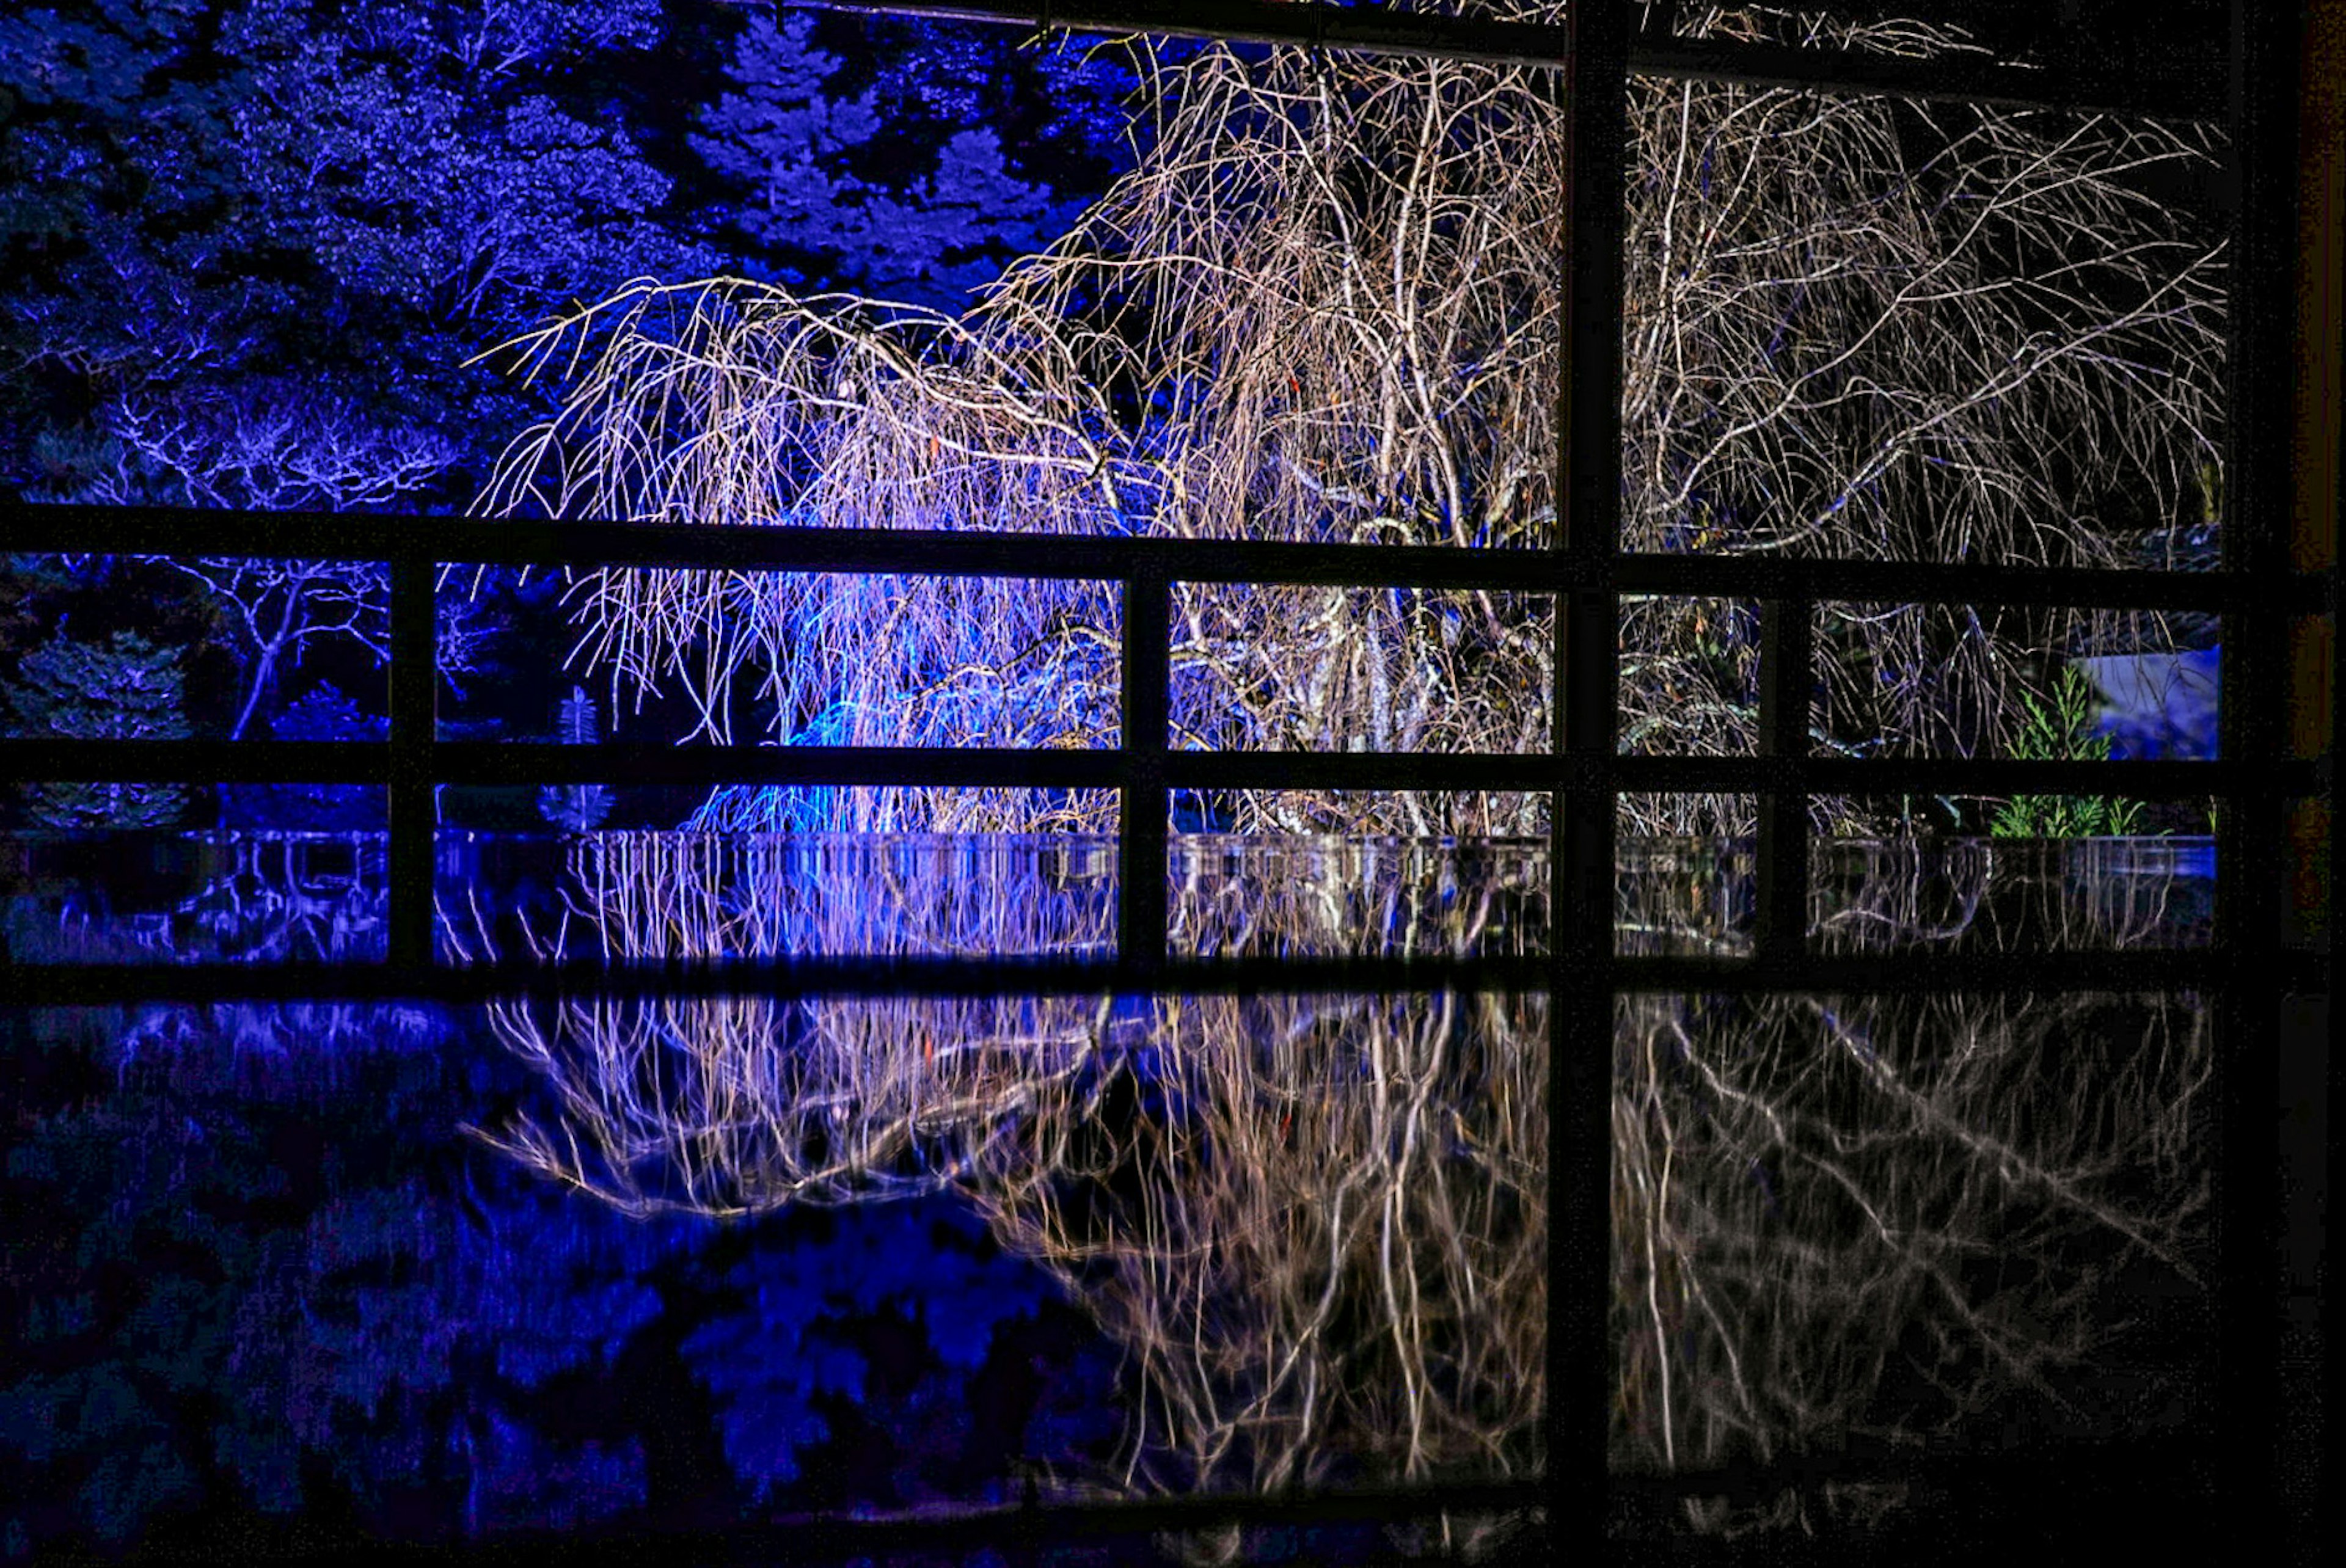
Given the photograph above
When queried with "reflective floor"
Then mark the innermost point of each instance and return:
(592, 1265)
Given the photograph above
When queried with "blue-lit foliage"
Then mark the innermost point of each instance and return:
(250, 244)
(256, 1293)
(320, 713)
(252, 247)
(799, 1342)
(792, 150)
(246, 1309)
(124, 689)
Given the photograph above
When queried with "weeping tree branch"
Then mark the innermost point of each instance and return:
(1317, 1225)
(1322, 307)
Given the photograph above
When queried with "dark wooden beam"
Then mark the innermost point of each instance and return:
(2081, 82)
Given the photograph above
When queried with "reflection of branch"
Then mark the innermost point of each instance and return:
(1853, 1177)
(1317, 1224)
(735, 1105)
(270, 898)
(1333, 1257)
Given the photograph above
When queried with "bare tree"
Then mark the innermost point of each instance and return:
(279, 606)
(276, 449)
(1324, 307)
(264, 448)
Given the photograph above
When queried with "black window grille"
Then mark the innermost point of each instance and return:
(2250, 968)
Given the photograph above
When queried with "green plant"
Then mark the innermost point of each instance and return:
(2062, 730)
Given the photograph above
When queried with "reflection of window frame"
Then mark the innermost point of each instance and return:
(2251, 971)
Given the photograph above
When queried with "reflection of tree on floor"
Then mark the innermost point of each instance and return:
(1317, 1225)
(235, 1322)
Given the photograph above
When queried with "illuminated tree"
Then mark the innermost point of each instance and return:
(1323, 306)
(789, 147)
(320, 713)
(202, 196)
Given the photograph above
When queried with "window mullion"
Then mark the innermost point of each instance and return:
(1583, 989)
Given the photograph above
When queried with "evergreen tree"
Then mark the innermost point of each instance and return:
(126, 689)
(321, 713)
(904, 187)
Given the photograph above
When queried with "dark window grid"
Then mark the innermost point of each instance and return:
(2262, 91)
(2184, 92)
(1581, 965)
(2245, 971)
(1585, 777)
(1146, 568)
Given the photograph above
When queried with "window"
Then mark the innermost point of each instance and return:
(1627, 981)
